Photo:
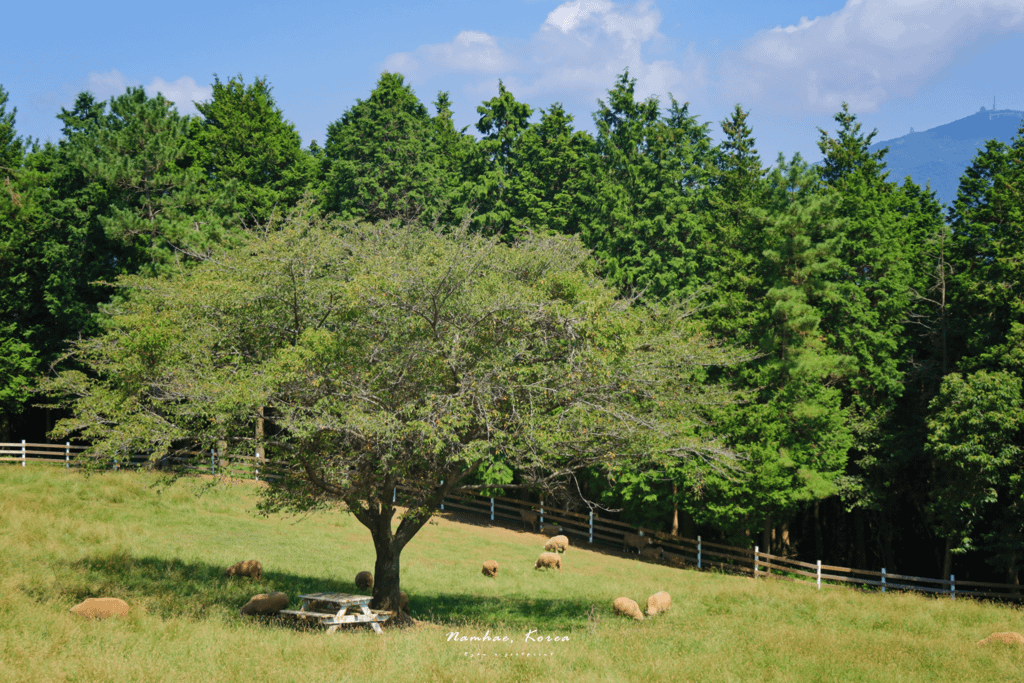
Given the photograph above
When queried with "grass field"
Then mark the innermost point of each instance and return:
(65, 537)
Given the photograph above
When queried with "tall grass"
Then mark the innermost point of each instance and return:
(65, 537)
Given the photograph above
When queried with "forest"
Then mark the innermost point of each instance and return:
(878, 416)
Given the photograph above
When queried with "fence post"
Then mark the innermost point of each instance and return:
(67, 454)
(23, 452)
(542, 515)
(755, 561)
(213, 471)
(952, 587)
(492, 508)
(257, 464)
(819, 574)
(442, 500)
(394, 494)
(698, 552)
(883, 579)
(591, 526)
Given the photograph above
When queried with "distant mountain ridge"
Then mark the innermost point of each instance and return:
(940, 155)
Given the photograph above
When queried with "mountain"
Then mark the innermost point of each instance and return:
(940, 155)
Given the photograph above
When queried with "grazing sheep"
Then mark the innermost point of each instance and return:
(265, 603)
(531, 518)
(631, 541)
(658, 603)
(673, 558)
(548, 560)
(652, 552)
(551, 530)
(490, 568)
(627, 608)
(101, 608)
(1008, 637)
(250, 568)
(557, 544)
(364, 581)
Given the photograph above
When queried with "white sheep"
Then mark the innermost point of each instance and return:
(531, 518)
(627, 608)
(548, 560)
(250, 568)
(658, 603)
(635, 541)
(557, 544)
(652, 552)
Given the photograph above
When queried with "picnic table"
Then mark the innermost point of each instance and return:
(337, 609)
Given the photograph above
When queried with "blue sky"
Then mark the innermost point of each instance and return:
(899, 63)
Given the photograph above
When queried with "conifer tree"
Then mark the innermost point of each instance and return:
(242, 144)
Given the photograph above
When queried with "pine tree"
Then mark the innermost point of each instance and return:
(383, 159)
(242, 144)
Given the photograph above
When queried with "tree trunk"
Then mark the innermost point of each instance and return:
(858, 525)
(947, 559)
(675, 510)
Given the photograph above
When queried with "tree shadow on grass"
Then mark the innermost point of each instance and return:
(176, 589)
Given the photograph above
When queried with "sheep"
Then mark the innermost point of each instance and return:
(531, 518)
(652, 552)
(551, 530)
(490, 568)
(557, 544)
(548, 560)
(627, 608)
(673, 558)
(1008, 637)
(631, 541)
(364, 581)
(250, 568)
(403, 602)
(658, 603)
(265, 603)
(101, 608)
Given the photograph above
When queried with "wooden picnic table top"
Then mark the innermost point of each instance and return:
(342, 599)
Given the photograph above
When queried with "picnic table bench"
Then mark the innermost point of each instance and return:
(337, 609)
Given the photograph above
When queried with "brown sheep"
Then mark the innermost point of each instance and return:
(265, 603)
(101, 608)
(250, 568)
(1008, 637)
(364, 581)
(403, 602)
(548, 560)
(635, 541)
(627, 608)
(658, 603)
(531, 518)
(557, 544)
(652, 552)
(490, 568)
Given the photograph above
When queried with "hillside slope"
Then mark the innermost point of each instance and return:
(939, 155)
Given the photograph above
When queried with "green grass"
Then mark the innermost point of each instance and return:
(65, 537)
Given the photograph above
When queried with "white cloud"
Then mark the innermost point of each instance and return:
(579, 49)
(181, 92)
(867, 52)
(471, 51)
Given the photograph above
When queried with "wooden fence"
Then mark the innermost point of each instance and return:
(236, 466)
(584, 528)
(700, 554)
